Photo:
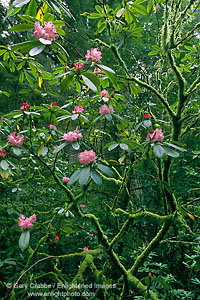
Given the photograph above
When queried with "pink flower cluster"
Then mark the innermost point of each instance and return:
(65, 179)
(147, 116)
(52, 126)
(78, 110)
(72, 136)
(48, 32)
(155, 135)
(94, 55)
(97, 70)
(16, 141)
(3, 153)
(104, 93)
(25, 106)
(26, 223)
(53, 104)
(87, 157)
(104, 110)
(78, 66)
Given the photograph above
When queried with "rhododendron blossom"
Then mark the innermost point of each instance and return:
(155, 135)
(15, 140)
(104, 110)
(91, 234)
(3, 153)
(85, 249)
(52, 126)
(26, 223)
(72, 136)
(25, 106)
(78, 110)
(53, 104)
(94, 55)
(56, 238)
(48, 32)
(105, 94)
(87, 157)
(147, 116)
(65, 179)
(78, 66)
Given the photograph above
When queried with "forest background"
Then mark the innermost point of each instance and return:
(124, 223)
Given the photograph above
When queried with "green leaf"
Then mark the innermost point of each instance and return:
(21, 27)
(55, 7)
(32, 8)
(105, 68)
(44, 151)
(45, 42)
(4, 165)
(99, 9)
(94, 16)
(17, 151)
(24, 240)
(84, 175)
(108, 117)
(95, 177)
(60, 147)
(123, 146)
(150, 5)
(20, 3)
(147, 123)
(74, 177)
(28, 18)
(141, 9)
(36, 50)
(158, 150)
(89, 83)
(170, 152)
(66, 82)
(30, 75)
(174, 146)
(128, 15)
(75, 145)
(68, 230)
(12, 11)
(153, 52)
(113, 146)
(106, 170)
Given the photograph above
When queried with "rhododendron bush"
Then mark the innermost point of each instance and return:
(91, 162)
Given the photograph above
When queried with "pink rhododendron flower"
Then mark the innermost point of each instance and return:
(78, 66)
(78, 110)
(48, 32)
(103, 110)
(1, 118)
(87, 157)
(147, 116)
(25, 106)
(82, 205)
(16, 141)
(65, 179)
(85, 249)
(97, 70)
(155, 135)
(52, 126)
(3, 153)
(94, 55)
(53, 104)
(91, 234)
(72, 136)
(26, 223)
(104, 93)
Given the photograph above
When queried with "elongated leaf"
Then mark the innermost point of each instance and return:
(89, 83)
(74, 177)
(17, 151)
(4, 165)
(106, 170)
(106, 68)
(45, 42)
(21, 27)
(84, 175)
(108, 117)
(44, 151)
(95, 177)
(75, 145)
(128, 15)
(147, 123)
(140, 8)
(123, 146)
(150, 5)
(36, 50)
(20, 3)
(175, 146)
(60, 147)
(158, 150)
(24, 240)
(170, 152)
(113, 146)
